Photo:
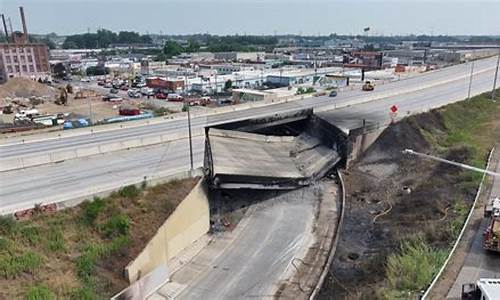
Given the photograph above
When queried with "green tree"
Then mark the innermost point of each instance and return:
(228, 84)
(172, 48)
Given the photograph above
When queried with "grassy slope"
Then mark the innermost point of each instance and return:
(79, 253)
(474, 127)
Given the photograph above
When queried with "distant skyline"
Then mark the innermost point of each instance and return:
(313, 17)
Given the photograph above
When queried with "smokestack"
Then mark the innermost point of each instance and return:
(11, 31)
(5, 28)
(23, 20)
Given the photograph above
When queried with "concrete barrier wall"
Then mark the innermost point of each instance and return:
(84, 151)
(189, 221)
(360, 143)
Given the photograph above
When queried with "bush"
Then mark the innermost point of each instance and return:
(129, 192)
(414, 266)
(117, 225)
(40, 292)
(93, 209)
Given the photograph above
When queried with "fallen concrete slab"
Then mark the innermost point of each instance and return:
(235, 159)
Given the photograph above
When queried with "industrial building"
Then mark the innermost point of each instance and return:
(21, 58)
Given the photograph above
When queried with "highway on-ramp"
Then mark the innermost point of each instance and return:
(76, 178)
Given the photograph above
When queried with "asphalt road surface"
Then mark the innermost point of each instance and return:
(253, 263)
(76, 178)
(478, 263)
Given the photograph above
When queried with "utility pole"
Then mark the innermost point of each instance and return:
(470, 80)
(90, 111)
(493, 93)
(190, 137)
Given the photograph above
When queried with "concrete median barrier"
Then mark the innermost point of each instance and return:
(86, 151)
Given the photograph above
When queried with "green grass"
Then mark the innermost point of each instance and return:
(117, 225)
(412, 268)
(40, 292)
(91, 254)
(92, 209)
(55, 239)
(129, 192)
(13, 265)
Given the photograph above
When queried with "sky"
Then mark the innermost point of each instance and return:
(305, 17)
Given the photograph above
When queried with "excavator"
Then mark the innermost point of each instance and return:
(368, 86)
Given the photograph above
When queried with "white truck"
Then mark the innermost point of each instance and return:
(483, 289)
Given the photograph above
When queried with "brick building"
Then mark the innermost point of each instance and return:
(20, 58)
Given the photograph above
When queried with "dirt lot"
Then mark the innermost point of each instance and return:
(403, 211)
(80, 253)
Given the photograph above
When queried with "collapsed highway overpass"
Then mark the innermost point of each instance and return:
(283, 151)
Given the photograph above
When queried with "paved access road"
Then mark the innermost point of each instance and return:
(11, 148)
(250, 261)
(74, 178)
(479, 263)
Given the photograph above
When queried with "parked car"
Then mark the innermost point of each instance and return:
(113, 91)
(160, 95)
(175, 97)
(147, 91)
(333, 94)
(112, 98)
(108, 85)
(85, 79)
(133, 93)
(124, 88)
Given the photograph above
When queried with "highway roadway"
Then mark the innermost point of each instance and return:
(75, 178)
(458, 75)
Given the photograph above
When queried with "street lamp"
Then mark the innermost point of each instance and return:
(190, 136)
(493, 93)
(470, 80)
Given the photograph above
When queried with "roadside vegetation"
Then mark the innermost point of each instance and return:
(470, 129)
(81, 252)
(396, 242)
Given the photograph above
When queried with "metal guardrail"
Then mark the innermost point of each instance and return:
(333, 247)
(459, 238)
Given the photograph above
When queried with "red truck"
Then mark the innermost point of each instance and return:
(491, 236)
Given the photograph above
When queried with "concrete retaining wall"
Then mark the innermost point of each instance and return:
(189, 221)
(84, 151)
(360, 142)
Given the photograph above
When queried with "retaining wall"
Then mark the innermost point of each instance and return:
(189, 221)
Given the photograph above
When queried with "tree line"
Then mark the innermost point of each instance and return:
(103, 38)
(211, 43)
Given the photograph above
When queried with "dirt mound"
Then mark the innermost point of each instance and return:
(22, 87)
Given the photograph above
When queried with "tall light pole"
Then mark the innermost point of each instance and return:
(493, 93)
(470, 80)
(190, 137)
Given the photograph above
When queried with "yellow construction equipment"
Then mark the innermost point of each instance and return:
(368, 86)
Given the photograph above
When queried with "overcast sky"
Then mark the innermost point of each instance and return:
(307, 17)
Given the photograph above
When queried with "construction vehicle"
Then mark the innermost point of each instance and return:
(491, 236)
(368, 86)
(483, 289)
